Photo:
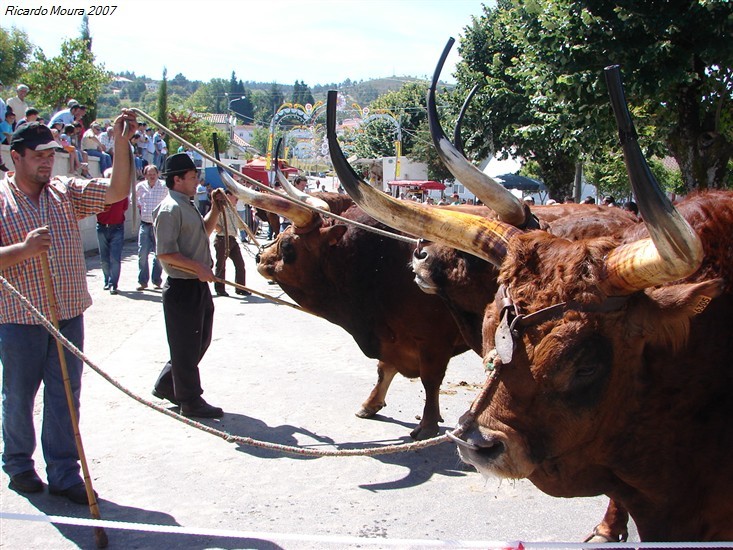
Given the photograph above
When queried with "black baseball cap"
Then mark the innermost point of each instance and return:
(33, 135)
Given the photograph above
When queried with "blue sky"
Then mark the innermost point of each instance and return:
(315, 41)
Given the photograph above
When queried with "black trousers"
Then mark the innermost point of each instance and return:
(222, 247)
(189, 316)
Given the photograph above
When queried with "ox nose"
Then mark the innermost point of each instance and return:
(486, 446)
(419, 254)
(257, 258)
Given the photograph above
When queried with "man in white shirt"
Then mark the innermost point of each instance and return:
(149, 194)
(18, 103)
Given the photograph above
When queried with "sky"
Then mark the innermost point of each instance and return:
(313, 41)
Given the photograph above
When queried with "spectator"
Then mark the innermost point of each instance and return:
(589, 200)
(7, 126)
(160, 151)
(108, 141)
(31, 115)
(568, 199)
(3, 107)
(226, 245)
(198, 160)
(300, 183)
(18, 103)
(67, 116)
(202, 197)
(187, 305)
(149, 193)
(529, 200)
(631, 207)
(111, 236)
(137, 155)
(609, 201)
(456, 199)
(93, 147)
(27, 351)
(148, 147)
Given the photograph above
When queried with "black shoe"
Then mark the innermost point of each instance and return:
(243, 292)
(222, 293)
(76, 493)
(200, 409)
(113, 290)
(161, 395)
(26, 482)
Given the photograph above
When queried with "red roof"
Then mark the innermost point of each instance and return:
(255, 169)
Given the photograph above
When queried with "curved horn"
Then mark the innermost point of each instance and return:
(294, 191)
(674, 250)
(508, 207)
(475, 235)
(457, 139)
(301, 217)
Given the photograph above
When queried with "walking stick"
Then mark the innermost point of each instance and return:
(100, 537)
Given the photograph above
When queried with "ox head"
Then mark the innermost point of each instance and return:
(570, 333)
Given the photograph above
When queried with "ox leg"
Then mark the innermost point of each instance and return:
(614, 527)
(376, 399)
(431, 376)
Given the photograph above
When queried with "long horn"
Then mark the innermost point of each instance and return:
(475, 235)
(301, 217)
(674, 250)
(294, 191)
(508, 207)
(457, 139)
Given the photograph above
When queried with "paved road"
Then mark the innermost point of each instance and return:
(286, 377)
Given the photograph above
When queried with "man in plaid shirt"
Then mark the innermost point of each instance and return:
(40, 216)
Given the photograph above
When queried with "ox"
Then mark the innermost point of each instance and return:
(362, 282)
(611, 363)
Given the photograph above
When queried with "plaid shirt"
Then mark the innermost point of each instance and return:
(62, 203)
(148, 198)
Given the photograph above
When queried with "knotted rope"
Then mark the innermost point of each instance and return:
(372, 451)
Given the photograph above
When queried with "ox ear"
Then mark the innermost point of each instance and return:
(667, 322)
(335, 232)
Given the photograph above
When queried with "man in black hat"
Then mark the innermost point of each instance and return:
(182, 237)
(39, 217)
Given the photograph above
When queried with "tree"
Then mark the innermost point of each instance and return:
(162, 116)
(72, 74)
(15, 51)
(194, 130)
(86, 34)
(302, 94)
(543, 61)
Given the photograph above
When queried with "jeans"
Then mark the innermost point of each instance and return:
(110, 239)
(29, 357)
(105, 161)
(230, 248)
(146, 246)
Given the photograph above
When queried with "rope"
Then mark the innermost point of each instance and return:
(273, 191)
(303, 451)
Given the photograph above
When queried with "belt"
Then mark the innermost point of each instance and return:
(109, 224)
(146, 223)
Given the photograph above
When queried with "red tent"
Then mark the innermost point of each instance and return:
(255, 169)
(425, 185)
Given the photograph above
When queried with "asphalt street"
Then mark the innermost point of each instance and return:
(285, 377)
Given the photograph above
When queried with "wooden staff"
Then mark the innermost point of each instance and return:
(100, 536)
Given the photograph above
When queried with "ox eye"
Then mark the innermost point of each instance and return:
(586, 370)
(287, 250)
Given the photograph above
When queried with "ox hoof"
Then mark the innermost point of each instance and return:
(421, 432)
(597, 537)
(368, 412)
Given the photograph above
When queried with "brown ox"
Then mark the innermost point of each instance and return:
(362, 282)
(604, 381)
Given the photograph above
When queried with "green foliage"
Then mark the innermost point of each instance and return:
(162, 115)
(72, 74)
(541, 63)
(15, 52)
(302, 94)
(194, 130)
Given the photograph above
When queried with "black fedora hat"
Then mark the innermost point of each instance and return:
(180, 163)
